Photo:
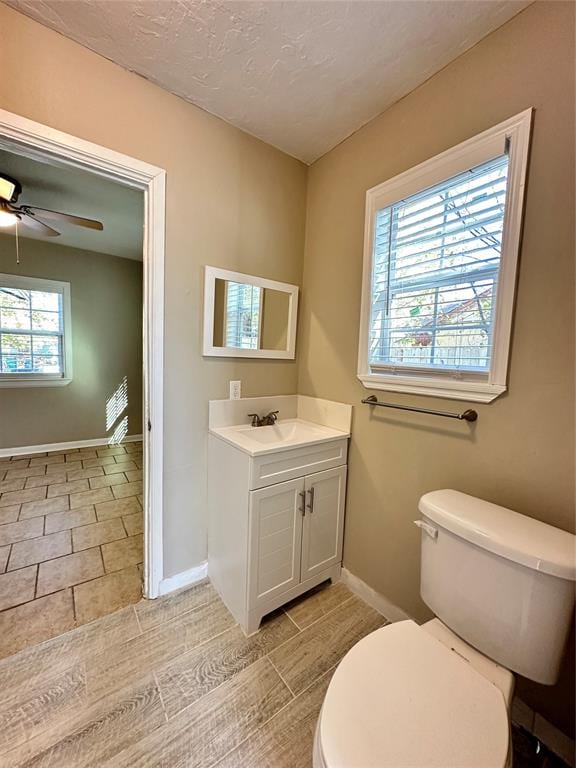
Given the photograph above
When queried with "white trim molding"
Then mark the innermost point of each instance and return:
(30, 139)
(374, 599)
(511, 136)
(454, 389)
(28, 450)
(184, 579)
(211, 274)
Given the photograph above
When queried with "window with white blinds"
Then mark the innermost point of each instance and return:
(242, 318)
(34, 330)
(435, 276)
(440, 266)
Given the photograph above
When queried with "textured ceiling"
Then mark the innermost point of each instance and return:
(61, 188)
(299, 74)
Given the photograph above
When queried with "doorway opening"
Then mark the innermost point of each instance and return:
(81, 342)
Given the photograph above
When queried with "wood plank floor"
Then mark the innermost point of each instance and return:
(174, 682)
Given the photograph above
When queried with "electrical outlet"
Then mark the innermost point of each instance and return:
(235, 390)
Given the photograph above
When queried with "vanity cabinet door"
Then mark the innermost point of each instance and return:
(323, 529)
(275, 537)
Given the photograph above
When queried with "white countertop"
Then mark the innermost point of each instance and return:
(284, 435)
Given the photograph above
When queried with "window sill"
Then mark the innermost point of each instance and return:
(453, 389)
(17, 382)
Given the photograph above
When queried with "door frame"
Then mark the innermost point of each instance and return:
(40, 142)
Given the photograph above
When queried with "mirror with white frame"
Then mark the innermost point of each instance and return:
(248, 316)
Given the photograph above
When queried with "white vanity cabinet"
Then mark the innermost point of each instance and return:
(295, 533)
(276, 522)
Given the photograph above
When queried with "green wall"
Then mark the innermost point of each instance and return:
(106, 301)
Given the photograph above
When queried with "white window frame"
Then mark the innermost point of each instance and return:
(13, 380)
(514, 134)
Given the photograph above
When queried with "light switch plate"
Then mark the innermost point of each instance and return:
(235, 390)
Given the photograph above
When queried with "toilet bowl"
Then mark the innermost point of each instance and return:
(418, 697)
(438, 695)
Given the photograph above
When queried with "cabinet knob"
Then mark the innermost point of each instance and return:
(301, 508)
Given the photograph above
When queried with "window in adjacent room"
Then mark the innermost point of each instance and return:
(440, 267)
(242, 318)
(35, 333)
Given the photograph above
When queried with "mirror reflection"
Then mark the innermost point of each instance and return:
(247, 316)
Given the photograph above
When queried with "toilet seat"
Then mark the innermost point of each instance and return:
(402, 699)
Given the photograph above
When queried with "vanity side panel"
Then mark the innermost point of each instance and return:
(228, 498)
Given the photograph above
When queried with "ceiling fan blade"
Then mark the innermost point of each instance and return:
(80, 221)
(27, 220)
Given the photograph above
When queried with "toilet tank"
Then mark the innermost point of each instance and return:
(502, 581)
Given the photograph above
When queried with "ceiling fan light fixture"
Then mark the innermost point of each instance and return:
(32, 217)
(7, 219)
(9, 188)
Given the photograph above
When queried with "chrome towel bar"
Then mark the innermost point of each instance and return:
(468, 415)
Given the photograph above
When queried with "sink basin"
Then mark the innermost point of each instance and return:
(284, 431)
(288, 433)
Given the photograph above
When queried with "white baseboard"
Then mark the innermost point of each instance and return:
(46, 448)
(184, 579)
(374, 599)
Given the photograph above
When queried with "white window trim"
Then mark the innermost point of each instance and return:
(459, 386)
(17, 380)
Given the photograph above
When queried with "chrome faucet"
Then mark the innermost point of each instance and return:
(264, 421)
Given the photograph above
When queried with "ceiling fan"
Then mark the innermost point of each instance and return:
(30, 216)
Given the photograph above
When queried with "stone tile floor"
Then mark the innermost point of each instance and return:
(174, 682)
(71, 545)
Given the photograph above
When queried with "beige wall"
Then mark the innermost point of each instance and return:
(521, 451)
(275, 316)
(106, 309)
(239, 204)
(219, 312)
(232, 202)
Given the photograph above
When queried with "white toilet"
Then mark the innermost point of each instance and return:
(438, 695)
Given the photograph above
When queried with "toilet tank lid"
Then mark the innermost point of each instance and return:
(506, 533)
